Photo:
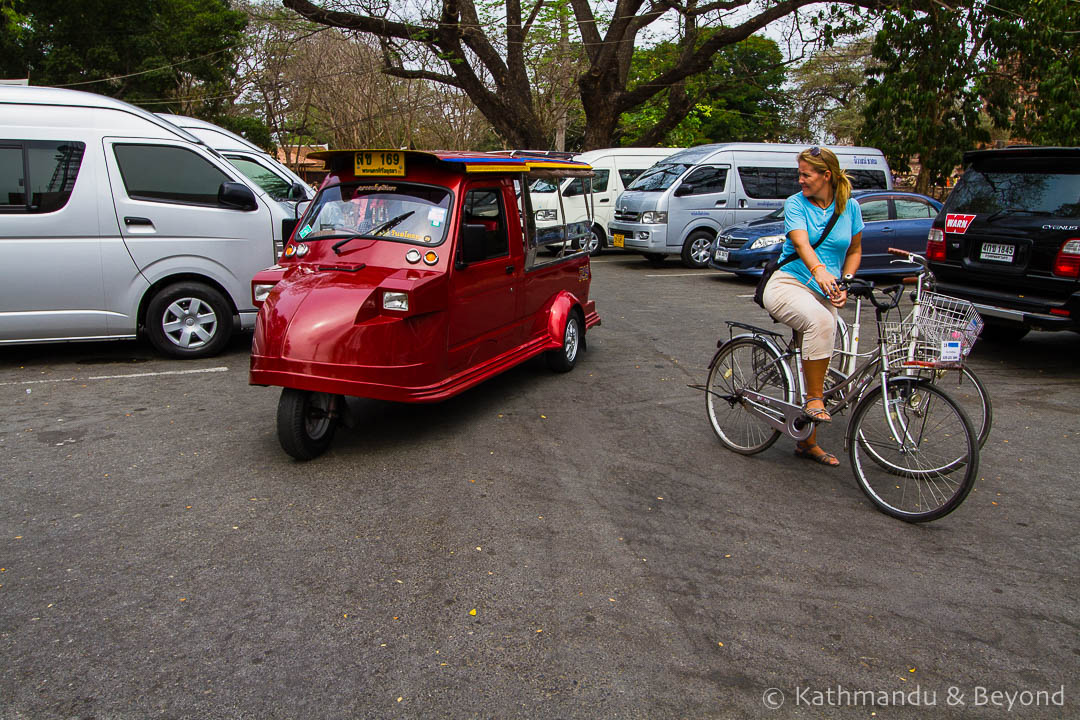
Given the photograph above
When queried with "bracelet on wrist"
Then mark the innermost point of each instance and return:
(815, 268)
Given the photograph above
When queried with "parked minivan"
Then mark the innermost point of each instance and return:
(680, 204)
(614, 169)
(115, 223)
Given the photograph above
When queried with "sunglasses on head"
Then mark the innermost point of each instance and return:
(815, 151)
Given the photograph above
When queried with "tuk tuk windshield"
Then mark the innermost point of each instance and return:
(659, 177)
(403, 212)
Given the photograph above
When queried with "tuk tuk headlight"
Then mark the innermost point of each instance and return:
(260, 292)
(653, 217)
(767, 241)
(547, 214)
(395, 301)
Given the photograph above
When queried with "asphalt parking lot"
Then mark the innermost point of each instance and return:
(543, 546)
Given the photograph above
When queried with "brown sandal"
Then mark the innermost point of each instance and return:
(825, 458)
(817, 415)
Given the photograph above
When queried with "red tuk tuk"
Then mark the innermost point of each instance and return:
(412, 277)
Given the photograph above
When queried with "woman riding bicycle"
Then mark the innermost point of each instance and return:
(804, 294)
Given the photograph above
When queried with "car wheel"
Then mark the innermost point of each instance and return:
(189, 320)
(565, 358)
(306, 422)
(1003, 332)
(695, 250)
(595, 244)
(654, 259)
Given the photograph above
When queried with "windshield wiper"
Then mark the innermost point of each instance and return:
(374, 232)
(1010, 211)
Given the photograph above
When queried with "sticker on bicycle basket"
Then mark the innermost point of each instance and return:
(950, 350)
(958, 224)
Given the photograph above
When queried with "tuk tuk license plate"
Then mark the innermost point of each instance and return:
(618, 239)
(998, 252)
(379, 163)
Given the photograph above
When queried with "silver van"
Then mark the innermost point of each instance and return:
(613, 170)
(116, 223)
(680, 204)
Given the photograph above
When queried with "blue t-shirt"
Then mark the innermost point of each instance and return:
(801, 214)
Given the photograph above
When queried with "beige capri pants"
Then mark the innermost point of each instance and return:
(791, 302)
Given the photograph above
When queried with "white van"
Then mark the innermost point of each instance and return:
(615, 169)
(680, 204)
(114, 222)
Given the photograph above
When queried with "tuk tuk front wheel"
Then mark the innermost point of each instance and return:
(565, 358)
(306, 422)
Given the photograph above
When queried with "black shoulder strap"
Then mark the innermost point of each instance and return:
(824, 234)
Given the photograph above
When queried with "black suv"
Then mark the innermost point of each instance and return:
(1008, 239)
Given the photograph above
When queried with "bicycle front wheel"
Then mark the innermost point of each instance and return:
(967, 389)
(744, 363)
(913, 450)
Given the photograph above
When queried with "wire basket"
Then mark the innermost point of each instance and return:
(941, 336)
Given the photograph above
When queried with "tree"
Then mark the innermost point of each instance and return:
(463, 45)
(829, 94)
(738, 99)
(925, 94)
(173, 55)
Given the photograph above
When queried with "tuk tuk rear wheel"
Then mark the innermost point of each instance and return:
(565, 358)
(306, 422)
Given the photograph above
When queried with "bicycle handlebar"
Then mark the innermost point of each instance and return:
(909, 256)
(865, 288)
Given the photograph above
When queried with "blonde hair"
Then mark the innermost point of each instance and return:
(825, 159)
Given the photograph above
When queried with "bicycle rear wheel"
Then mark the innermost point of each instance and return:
(744, 363)
(923, 464)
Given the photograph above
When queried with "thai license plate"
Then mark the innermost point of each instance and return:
(618, 239)
(721, 255)
(997, 252)
(378, 162)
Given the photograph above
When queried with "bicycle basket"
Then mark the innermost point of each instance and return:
(941, 336)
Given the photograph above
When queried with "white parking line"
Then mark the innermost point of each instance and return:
(690, 274)
(119, 377)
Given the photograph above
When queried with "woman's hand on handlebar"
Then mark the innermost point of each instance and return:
(830, 286)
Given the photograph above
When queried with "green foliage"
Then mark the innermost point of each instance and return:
(165, 54)
(828, 96)
(739, 98)
(924, 97)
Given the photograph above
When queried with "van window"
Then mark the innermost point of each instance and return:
(274, 185)
(599, 183)
(768, 183)
(168, 174)
(866, 179)
(53, 168)
(629, 176)
(543, 185)
(659, 177)
(707, 180)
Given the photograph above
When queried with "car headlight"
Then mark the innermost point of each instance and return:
(767, 241)
(652, 217)
(547, 214)
(395, 300)
(260, 292)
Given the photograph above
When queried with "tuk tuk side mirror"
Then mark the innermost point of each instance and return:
(684, 189)
(473, 245)
(237, 196)
(301, 208)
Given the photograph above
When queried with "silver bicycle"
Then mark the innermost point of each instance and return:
(913, 449)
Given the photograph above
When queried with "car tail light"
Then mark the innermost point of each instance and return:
(935, 245)
(1067, 262)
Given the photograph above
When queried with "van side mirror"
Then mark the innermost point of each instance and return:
(297, 192)
(684, 189)
(301, 208)
(237, 195)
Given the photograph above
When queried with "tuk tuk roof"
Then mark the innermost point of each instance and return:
(472, 162)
